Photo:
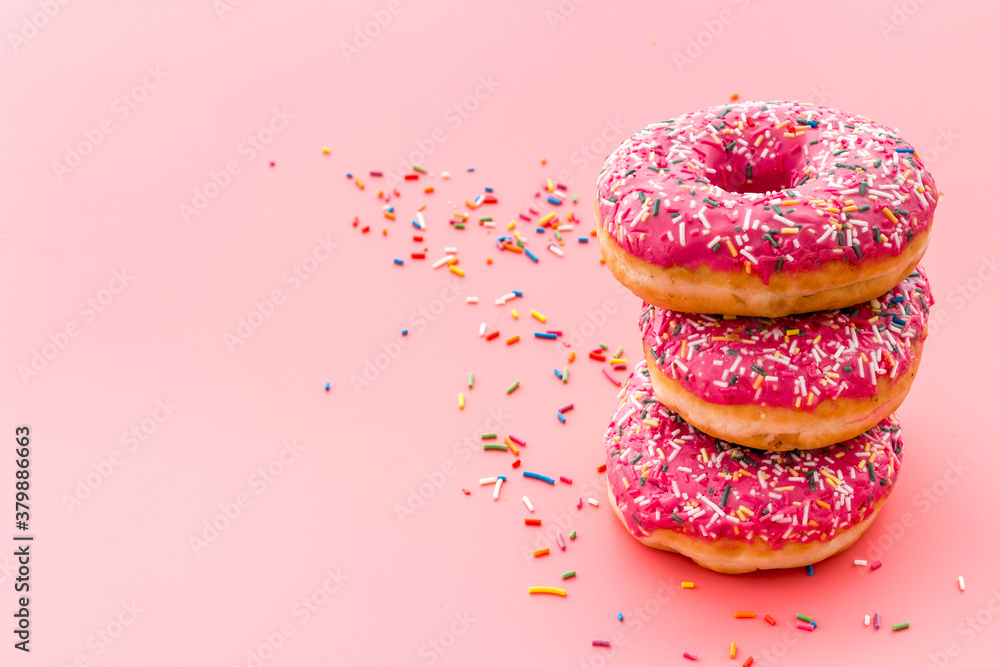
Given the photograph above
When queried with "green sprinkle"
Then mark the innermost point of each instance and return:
(417, 167)
(758, 369)
(730, 146)
(878, 163)
(710, 202)
(470, 380)
(489, 436)
(725, 496)
(496, 447)
(814, 142)
(677, 518)
(842, 150)
(558, 235)
(871, 471)
(863, 188)
(749, 172)
(574, 199)
(572, 535)
(459, 225)
(488, 218)
(656, 206)
(565, 374)
(716, 247)
(803, 617)
(636, 458)
(677, 160)
(848, 369)
(857, 250)
(603, 346)
(629, 172)
(510, 389)
(900, 626)
(642, 195)
(568, 575)
(733, 380)
(864, 207)
(781, 263)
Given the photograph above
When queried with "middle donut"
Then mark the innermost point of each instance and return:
(796, 382)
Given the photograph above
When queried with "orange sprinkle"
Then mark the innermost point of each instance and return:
(540, 552)
(572, 356)
(513, 339)
(427, 191)
(746, 614)
(767, 617)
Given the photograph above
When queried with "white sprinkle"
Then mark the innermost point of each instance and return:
(961, 583)
(441, 262)
(496, 489)
(488, 480)
(589, 500)
(527, 503)
(482, 329)
(472, 299)
(861, 562)
(420, 220)
(555, 250)
(868, 620)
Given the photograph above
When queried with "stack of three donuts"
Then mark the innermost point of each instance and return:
(763, 435)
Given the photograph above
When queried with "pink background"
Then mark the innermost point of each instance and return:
(447, 583)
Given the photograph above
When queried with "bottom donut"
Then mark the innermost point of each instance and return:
(734, 509)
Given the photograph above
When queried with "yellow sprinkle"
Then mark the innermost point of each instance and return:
(687, 584)
(760, 138)
(461, 401)
(704, 455)
(326, 150)
(513, 312)
(732, 650)
(651, 422)
(547, 589)
(537, 315)
(550, 216)
(785, 488)
(510, 225)
(887, 213)
(617, 361)
(789, 230)
(809, 399)
(731, 248)
(457, 271)
(548, 184)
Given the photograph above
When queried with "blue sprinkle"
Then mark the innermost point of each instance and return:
(327, 386)
(470, 169)
(540, 230)
(535, 475)
(530, 256)
(814, 624)
(397, 261)
(561, 418)
(406, 332)
(554, 201)
(583, 239)
(500, 476)
(549, 336)
(904, 150)
(350, 175)
(899, 321)
(809, 569)
(620, 617)
(516, 293)
(391, 209)
(558, 374)
(489, 189)
(415, 224)
(898, 299)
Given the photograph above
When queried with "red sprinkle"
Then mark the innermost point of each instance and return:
(365, 229)
(598, 357)
(466, 491)
(516, 463)
(876, 565)
(769, 619)
(411, 177)
(601, 642)
(564, 478)
(690, 656)
(517, 440)
(491, 336)
(417, 255)
(532, 522)
(748, 662)
(604, 466)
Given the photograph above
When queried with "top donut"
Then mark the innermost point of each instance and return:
(763, 209)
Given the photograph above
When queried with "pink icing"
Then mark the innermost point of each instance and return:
(677, 192)
(750, 360)
(666, 474)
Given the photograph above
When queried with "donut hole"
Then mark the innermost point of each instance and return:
(773, 165)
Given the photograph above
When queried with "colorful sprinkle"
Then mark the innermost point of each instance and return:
(534, 590)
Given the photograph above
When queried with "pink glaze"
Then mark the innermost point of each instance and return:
(836, 353)
(664, 473)
(822, 181)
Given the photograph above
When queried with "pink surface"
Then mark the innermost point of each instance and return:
(187, 104)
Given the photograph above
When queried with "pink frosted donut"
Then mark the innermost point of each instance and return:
(733, 509)
(796, 382)
(763, 209)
